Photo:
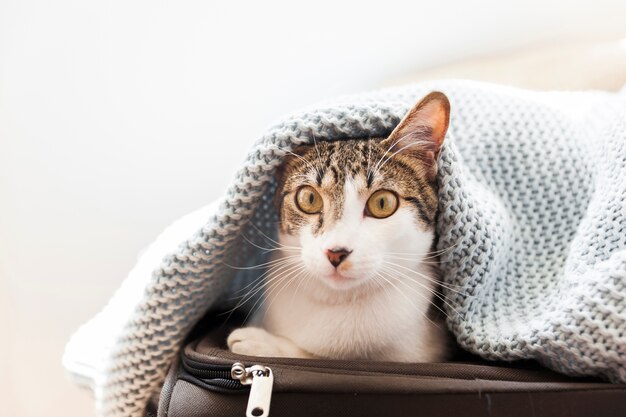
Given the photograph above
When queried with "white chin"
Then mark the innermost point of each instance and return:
(337, 281)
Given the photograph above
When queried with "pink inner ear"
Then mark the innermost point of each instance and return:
(433, 114)
(430, 115)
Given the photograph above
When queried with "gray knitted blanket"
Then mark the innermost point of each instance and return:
(532, 226)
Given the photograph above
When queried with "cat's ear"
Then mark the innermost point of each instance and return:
(422, 131)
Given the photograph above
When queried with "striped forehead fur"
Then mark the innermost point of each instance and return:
(327, 165)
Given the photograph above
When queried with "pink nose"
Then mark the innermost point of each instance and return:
(337, 255)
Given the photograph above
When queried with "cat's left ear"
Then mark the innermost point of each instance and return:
(422, 131)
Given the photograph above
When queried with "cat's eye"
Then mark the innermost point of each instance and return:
(381, 204)
(309, 200)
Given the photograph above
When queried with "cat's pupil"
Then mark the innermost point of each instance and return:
(381, 203)
(311, 198)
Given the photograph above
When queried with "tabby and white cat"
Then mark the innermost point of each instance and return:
(354, 276)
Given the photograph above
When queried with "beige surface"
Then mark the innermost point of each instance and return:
(568, 65)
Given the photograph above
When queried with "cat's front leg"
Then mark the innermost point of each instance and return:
(254, 341)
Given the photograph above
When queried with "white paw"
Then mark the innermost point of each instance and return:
(253, 341)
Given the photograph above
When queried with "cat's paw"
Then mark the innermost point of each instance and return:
(253, 341)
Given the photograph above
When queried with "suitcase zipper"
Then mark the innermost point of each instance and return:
(237, 377)
(261, 379)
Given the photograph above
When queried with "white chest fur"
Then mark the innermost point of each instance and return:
(382, 323)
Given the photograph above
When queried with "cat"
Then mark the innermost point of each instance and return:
(353, 275)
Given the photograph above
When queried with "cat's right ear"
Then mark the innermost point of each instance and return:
(422, 130)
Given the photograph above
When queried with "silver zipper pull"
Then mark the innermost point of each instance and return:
(261, 379)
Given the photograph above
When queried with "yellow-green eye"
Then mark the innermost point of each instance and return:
(309, 200)
(381, 204)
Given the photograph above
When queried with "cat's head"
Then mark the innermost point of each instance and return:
(356, 210)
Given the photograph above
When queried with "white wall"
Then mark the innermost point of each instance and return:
(116, 117)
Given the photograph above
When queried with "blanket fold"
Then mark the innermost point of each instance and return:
(531, 229)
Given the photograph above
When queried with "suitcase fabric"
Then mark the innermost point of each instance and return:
(205, 382)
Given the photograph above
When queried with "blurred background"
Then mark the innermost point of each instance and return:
(117, 117)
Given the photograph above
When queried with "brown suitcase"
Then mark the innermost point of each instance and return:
(205, 382)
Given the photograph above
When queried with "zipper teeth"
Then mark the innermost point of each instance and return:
(217, 375)
(204, 373)
(195, 367)
(229, 384)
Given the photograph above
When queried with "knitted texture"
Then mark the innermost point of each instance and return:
(532, 227)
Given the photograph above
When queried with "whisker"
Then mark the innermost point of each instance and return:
(247, 297)
(272, 269)
(431, 254)
(431, 290)
(263, 285)
(253, 309)
(286, 281)
(259, 247)
(415, 291)
(400, 150)
(397, 289)
(401, 258)
(302, 159)
(386, 152)
(263, 265)
(307, 277)
(272, 275)
(280, 245)
(408, 299)
(434, 280)
(376, 167)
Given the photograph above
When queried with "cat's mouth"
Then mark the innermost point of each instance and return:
(337, 276)
(339, 281)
